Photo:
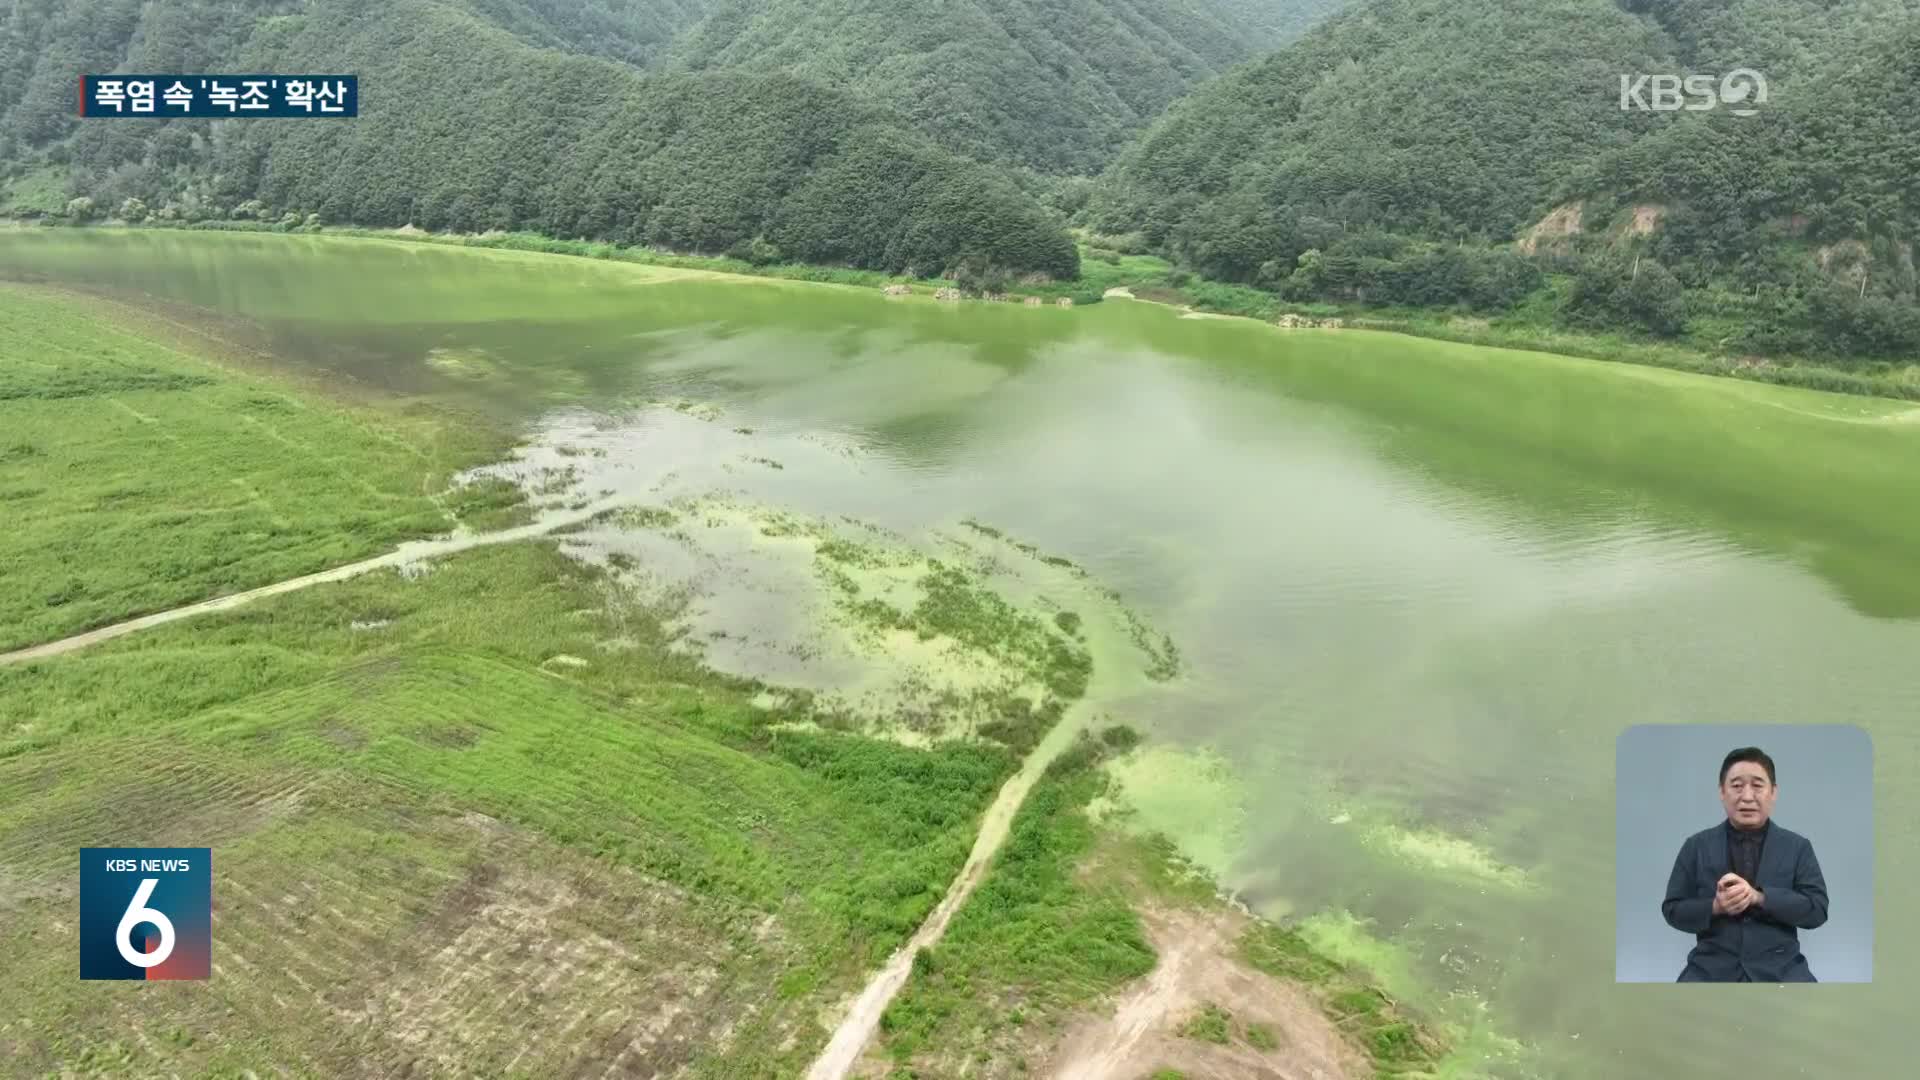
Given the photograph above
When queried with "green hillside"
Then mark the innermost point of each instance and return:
(1459, 155)
(1784, 39)
(1835, 158)
(770, 165)
(1394, 154)
(636, 32)
(852, 132)
(1453, 119)
(1057, 86)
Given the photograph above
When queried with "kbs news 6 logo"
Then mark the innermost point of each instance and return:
(146, 913)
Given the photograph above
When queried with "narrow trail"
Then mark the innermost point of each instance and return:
(405, 553)
(854, 1031)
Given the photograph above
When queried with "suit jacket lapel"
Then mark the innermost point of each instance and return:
(1719, 857)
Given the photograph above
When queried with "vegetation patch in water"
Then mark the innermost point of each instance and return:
(487, 504)
(1024, 548)
(1162, 654)
(471, 364)
(1444, 853)
(549, 481)
(953, 605)
(642, 517)
(699, 410)
(778, 523)
(900, 601)
(1195, 795)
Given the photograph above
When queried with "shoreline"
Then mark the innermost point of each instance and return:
(981, 866)
(1096, 286)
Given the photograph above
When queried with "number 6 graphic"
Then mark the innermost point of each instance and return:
(138, 912)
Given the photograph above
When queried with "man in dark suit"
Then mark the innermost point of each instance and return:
(1746, 887)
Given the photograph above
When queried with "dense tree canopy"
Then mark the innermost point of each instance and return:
(1783, 39)
(465, 126)
(1370, 151)
(1055, 85)
(1446, 117)
(1403, 124)
(1835, 158)
(636, 32)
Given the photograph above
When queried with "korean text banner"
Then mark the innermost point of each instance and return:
(224, 96)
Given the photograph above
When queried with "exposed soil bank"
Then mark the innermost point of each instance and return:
(1273, 1030)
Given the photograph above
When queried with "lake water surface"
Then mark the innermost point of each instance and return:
(1418, 589)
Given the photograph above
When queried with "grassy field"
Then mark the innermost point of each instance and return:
(457, 849)
(480, 817)
(1056, 930)
(140, 475)
(1032, 943)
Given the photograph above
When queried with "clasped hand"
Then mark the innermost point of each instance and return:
(1733, 895)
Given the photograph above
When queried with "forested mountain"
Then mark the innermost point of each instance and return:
(1333, 167)
(880, 133)
(467, 125)
(1277, 21)
(1055, 85)
(636, 32)
(45, 43)
(1838, 150)
(1809, 213)
(1470, 153)
(1452, 118)
(1781, 38)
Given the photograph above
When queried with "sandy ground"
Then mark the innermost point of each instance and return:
(1140, 1031)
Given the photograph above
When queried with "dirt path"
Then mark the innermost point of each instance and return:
(405, 553)
(863, 1016)
(1199, 966)
(1102, 1049)
(856, 1030)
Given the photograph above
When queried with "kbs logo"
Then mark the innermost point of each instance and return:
(1741, 91)
(146, 913)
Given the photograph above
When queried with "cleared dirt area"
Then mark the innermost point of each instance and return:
(1205, 1013)
(540, 971)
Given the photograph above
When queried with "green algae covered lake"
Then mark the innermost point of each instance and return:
(1415, 589)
